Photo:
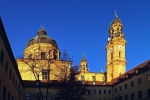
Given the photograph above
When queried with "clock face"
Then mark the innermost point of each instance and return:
(120, 47)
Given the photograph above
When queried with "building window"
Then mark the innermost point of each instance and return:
(13, 79)
(104, 91)
(119, 54)
(30, 56)
(140, 81)
(4, 93)
(37, 82)
(109, 92)
(16, 84)
(38, 96)
(45, 74)
(6, 67)
(125, 97)
(120, 88)
(94, 78)
(12, 98)
(94, 91)
(100, 92)
(48, 96)
(125, 86)
(148, 78)
(132, 83)
(10, 74)
(8, 95)
(148, 92)
(132, 96)
(111, 56)
(82, 77)
(2, 57)
(115, 90)
(43, 56)
(28, 96)
(89, 92)
(140, 95)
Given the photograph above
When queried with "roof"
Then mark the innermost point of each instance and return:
(29, 83)
(131, 72)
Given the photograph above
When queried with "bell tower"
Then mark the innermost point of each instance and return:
(116, 61)
(83, 64)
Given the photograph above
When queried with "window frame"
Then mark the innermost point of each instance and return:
(148, 78)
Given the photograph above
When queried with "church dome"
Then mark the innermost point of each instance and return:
(42, 37)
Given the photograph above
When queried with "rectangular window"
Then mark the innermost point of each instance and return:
(94, 78)
(132, 96)
(8, 95)
(115, 90)
(104, 91)
(38, 96)
(43, 55)
(148, 92)
(94, 91)
(28, 96)
(132, 83)
(148, 78)
(45, 75)
(13, 79)
(125, 86)
(89, 92)
(6, 67)
(82, 77)
(140, 81)
(125, 97)
(2, 57)
(109, 92)
(12, 98)
(10, 74)
(4, 93)
(140, 95)
(16, 84)
(48, 96)
(99, 91)
(120, 88)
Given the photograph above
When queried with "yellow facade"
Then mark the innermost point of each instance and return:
(116, 61)
(41, 57)
(44, 48)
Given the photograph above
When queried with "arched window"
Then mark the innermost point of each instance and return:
(55, 55)
(111, 56)
(43, 55)
(30, 56)
(119, 54)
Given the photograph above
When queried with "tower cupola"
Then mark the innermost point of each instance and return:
(83, 64)
(116, 28)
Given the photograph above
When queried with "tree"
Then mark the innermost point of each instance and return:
(64, 73)
(38, 68)
(70, 89)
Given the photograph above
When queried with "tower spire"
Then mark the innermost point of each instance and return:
(116, 17)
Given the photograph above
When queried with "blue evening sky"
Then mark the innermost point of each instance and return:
(80, 26)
